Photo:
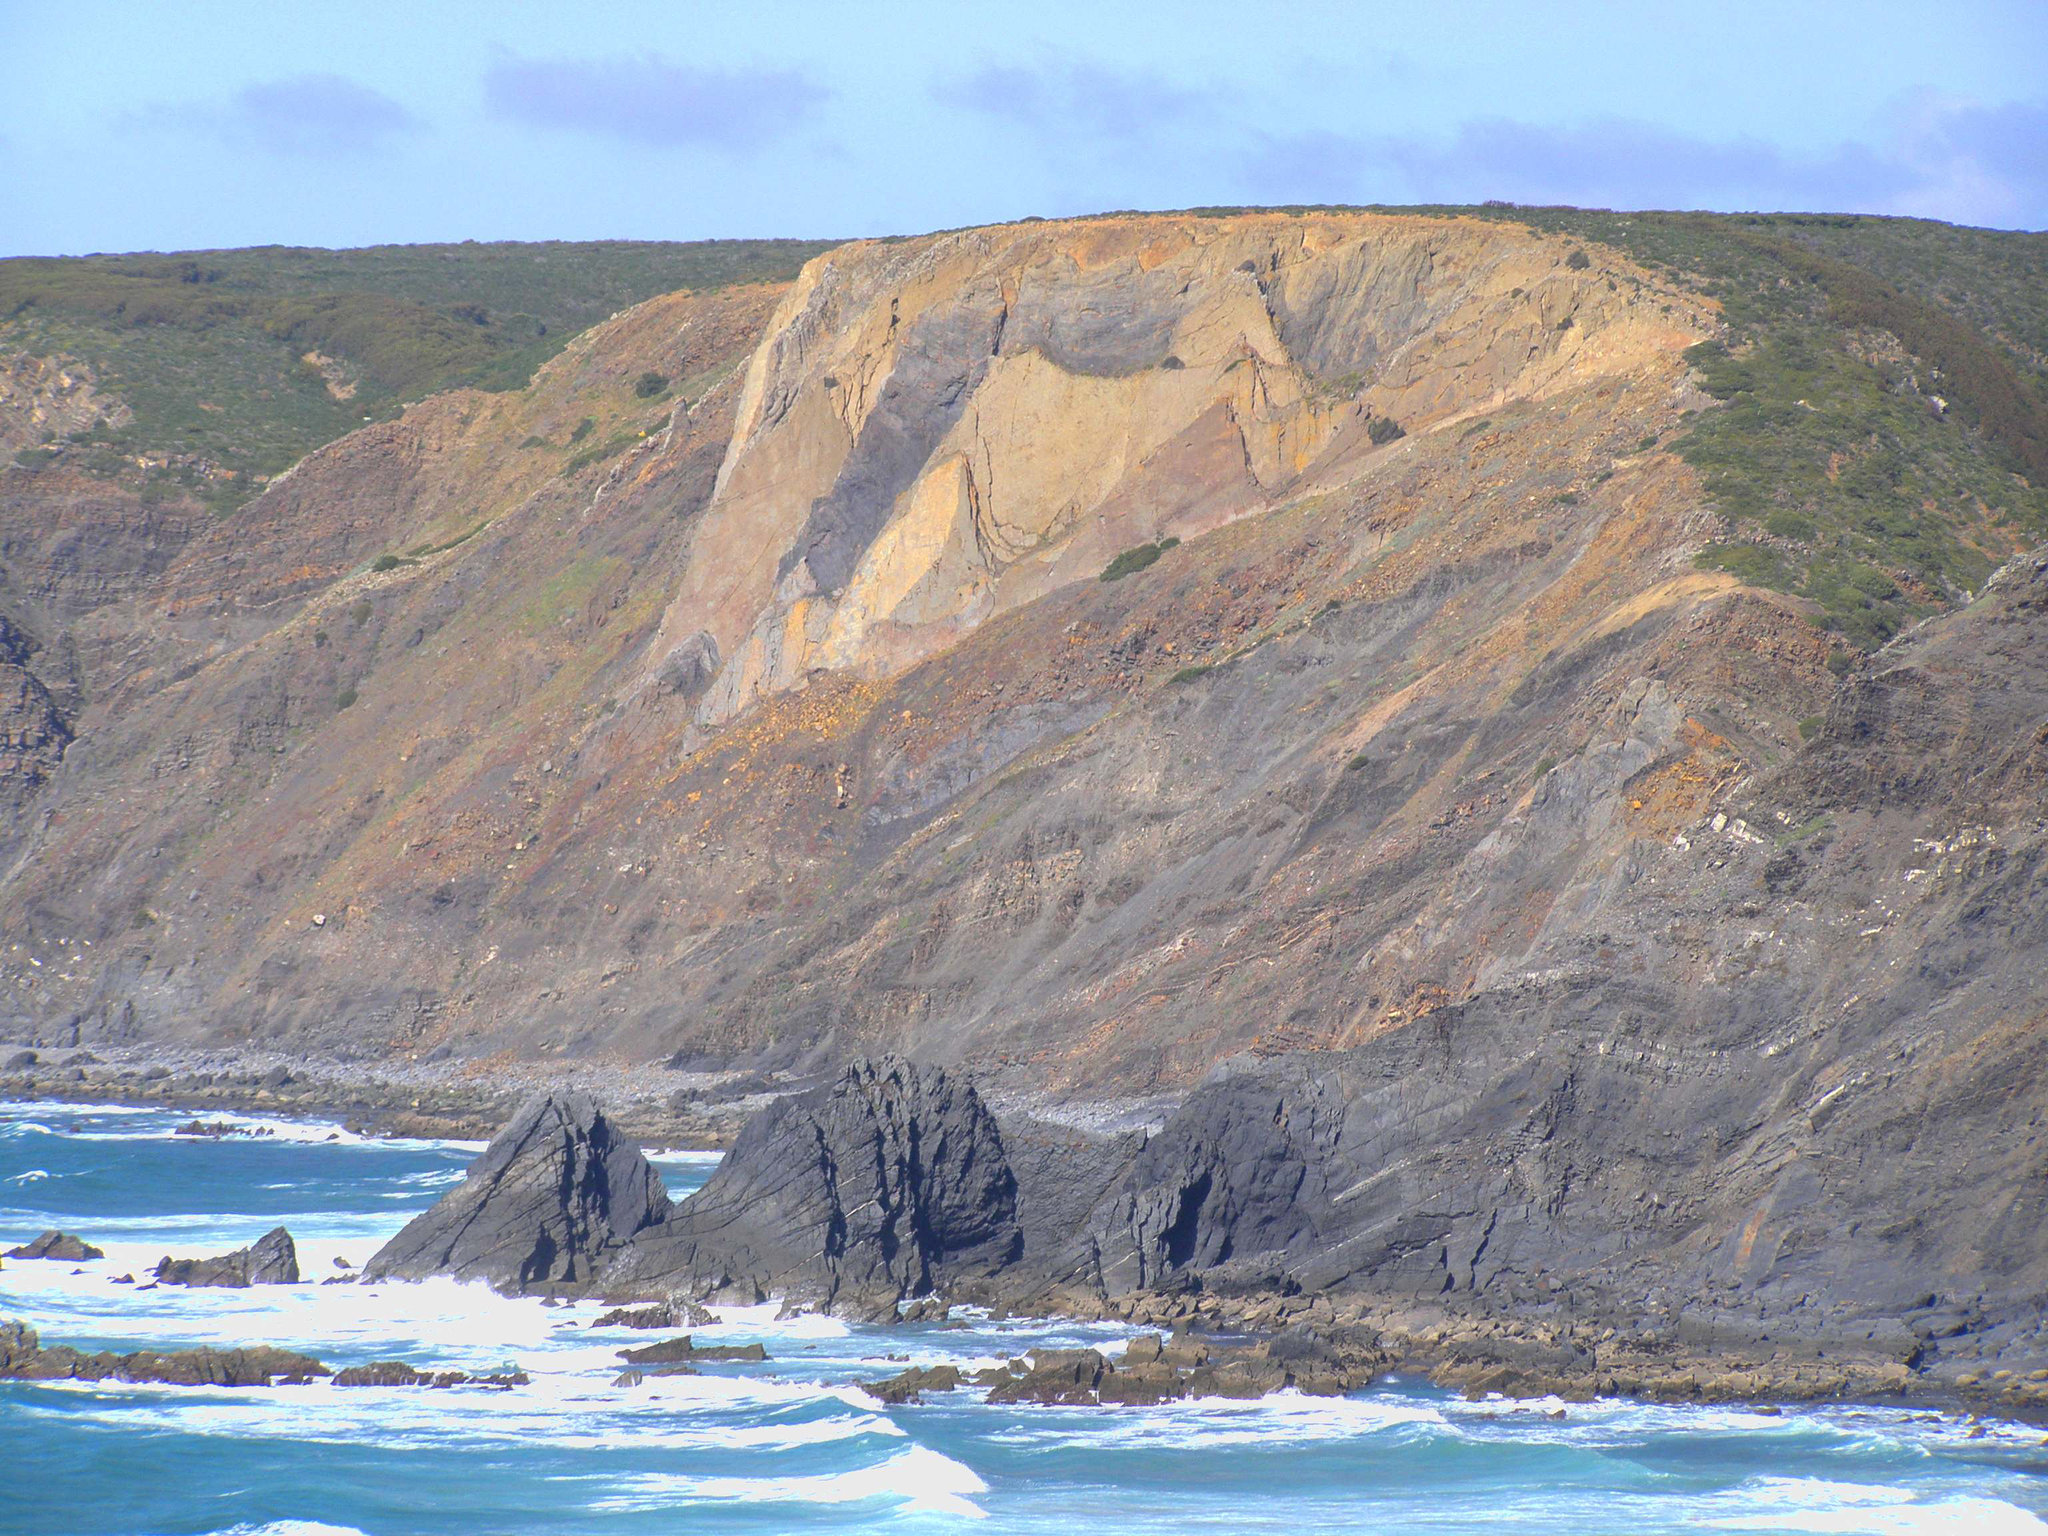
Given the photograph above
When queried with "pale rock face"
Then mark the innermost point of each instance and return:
(936, 431)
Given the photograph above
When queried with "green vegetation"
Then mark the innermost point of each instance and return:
(618, 442)
(1383, 430)
(1189, 674)
(1883, 444)
(389, 562)
(650, 384)
(1136, 559)
(345, 698)
(234, 364)
(1810, 727)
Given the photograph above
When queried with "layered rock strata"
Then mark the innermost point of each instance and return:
(548, 1205)
(1483, 1207)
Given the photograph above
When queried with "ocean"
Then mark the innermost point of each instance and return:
(793, 1445)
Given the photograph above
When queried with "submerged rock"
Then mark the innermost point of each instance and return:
(396, 1373)
(661, 1314)
(880, 1186)
(543, 1209)
(61, 1246)
(273, 1259)
(679, 1350)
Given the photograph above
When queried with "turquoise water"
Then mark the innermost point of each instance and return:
(791, 1446)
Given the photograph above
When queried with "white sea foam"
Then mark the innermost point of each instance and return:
(290, 1528)
(1861, 1509)
(919, 1479)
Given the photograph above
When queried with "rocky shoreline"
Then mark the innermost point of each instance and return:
(444, 1100)
(892, 1194)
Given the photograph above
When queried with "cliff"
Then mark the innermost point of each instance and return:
(783, 714)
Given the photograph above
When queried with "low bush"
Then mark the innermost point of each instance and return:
(1136, 559)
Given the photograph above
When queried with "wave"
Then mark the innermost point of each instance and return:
(1863, 1509)
(290, 1528)
(243, 1126)
(919, 1479)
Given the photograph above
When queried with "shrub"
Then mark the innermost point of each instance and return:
(1383, 430)
(1578, 261)
(388, 562)
(584, 428)
(650, 384)
(1810, 727)
(345, 698)
(1751, 564)
(1544, 765)
(359, 612)
(1189, 674)
(1135, 559)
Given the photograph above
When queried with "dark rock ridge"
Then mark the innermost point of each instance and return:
(57, 1245)
(546, 1207)
(273, 1259)
(890, 1182)
(1523, 1197)
(23, 1357)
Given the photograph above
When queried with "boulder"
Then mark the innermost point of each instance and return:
(1056, 1376)
(61, 1246)
(545, 1207)
(888, 1183)
(21, 1061)
(910, 1386)
(273, 1259)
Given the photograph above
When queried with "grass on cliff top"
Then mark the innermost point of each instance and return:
(206, 348)
(1842, 479)
(1883, 443)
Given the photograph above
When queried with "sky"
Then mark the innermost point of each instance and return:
(145, 125)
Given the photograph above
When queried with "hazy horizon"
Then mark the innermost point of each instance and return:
(226, 126)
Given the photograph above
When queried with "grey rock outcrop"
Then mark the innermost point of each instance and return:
(545, 1207)
(57, 1245)
(889, 1183)
(273, 1259)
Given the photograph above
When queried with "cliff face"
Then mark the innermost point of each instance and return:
(802, 724)
(943, 430)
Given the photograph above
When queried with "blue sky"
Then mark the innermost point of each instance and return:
(141, 124)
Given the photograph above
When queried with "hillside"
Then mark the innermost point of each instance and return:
(1084, 650)
(229, 365)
